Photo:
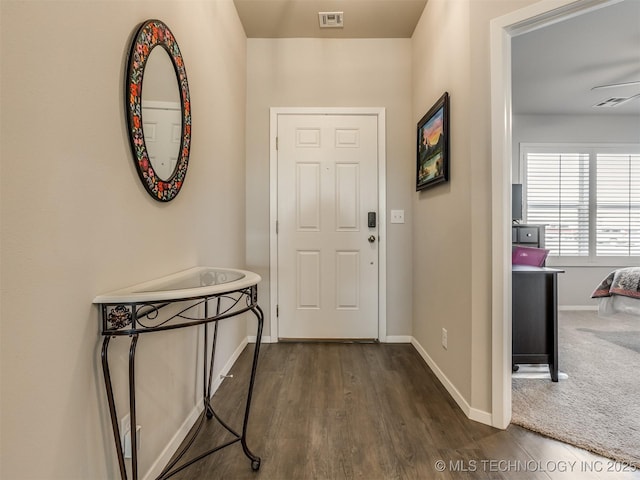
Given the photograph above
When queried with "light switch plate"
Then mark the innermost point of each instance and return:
(397, 216)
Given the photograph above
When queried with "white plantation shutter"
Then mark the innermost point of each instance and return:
(618, 205)
(588, 196)
(557, 195)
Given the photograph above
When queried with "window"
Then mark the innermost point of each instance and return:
(588, 196)
(557, 195)
(618, 205)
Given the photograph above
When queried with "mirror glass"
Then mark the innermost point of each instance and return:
(159, 125)
(161, 113)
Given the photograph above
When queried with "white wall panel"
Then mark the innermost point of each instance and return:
(308, 196)
(308, 137)
(176, 133)
(347, 196)
(308, 279)
(347, 138)
(149, 129)
(347, 280)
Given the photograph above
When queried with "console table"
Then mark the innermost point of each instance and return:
(181, 300)
(535, 316)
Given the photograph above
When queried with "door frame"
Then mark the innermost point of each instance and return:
(502, 30)
(379, 113)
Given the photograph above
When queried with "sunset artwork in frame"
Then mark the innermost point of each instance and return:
(432, 159)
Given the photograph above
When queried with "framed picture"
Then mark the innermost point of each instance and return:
(432, 160)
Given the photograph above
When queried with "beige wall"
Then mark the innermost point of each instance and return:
(335, 73)
(452, 222)
(442, 214)
(76, 222)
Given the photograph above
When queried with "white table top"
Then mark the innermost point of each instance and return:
(194, 282)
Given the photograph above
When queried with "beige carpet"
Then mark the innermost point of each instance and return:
(597, 407)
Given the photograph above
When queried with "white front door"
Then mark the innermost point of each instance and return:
(162, 126)
(327, 250)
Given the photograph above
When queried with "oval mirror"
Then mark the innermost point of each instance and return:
(158, 110)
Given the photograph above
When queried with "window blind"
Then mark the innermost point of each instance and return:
(618, 204)
(557, 195)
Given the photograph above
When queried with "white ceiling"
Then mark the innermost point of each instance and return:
(554, 68)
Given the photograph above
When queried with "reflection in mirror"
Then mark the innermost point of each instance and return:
(159, 126)
(161, 115)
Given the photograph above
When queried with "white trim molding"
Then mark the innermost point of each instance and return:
(265, 339)
(469, 411)
(502, 30)
(399, 339)
(577, 308)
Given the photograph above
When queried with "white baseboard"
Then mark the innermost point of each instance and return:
(398, 339)
(388, 339)
(181, 434)
(174, 443)
(265, 339)
(567, 308)
(473, 413)
(481, 416)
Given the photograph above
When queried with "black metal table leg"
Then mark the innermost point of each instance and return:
(255, 460)
(132, 407)
(112, 406)
(207, 387)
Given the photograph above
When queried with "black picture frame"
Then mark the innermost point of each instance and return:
(432, 152)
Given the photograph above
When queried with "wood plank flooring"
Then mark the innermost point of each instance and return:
(369, 411)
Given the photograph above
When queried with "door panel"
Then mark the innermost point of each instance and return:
(327, 268)
(347, 280)
(347, 197)
(308, 280)
(308, 197)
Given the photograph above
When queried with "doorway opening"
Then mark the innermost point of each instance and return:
(503, 29)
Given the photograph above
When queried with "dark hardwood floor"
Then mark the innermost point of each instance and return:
(369, 411)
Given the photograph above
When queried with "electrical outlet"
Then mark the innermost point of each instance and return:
(125, 426)
(125, 435)
(444, 338)
(127, 442)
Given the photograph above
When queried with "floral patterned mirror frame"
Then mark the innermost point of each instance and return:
(152, 34)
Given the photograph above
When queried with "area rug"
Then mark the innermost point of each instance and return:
(597, 405)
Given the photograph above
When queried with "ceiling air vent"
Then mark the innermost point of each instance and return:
(330, 19)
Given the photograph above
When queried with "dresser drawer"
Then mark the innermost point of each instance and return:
(528, 235)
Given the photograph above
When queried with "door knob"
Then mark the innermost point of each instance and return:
(371, 239)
